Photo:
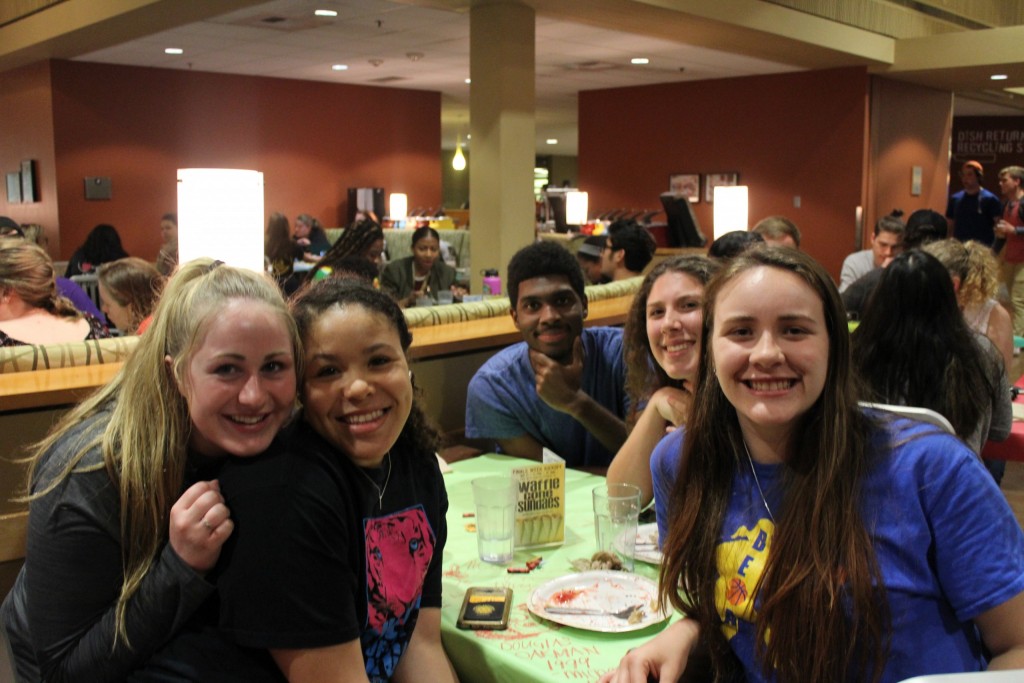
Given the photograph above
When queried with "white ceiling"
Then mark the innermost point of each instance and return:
(395, 44)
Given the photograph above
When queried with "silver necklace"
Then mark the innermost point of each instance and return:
(757, 482)
(382, 489)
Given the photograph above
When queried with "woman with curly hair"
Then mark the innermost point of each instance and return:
(364, 239)
(975, 274)
(811, 539)
(662, 350)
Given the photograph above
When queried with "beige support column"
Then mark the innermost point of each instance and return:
(501, 120)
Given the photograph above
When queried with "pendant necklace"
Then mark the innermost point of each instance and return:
(757, 482)
(382, 489)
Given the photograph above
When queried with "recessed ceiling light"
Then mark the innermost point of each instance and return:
(173, 51)
(999, 77)
(639, 60)
(468, 81)
(340, 67)
(552, 141)
(325, 13)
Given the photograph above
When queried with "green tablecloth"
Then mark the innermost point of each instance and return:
(532, 649)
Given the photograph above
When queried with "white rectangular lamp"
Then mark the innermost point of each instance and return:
(398, 207)
(576, 208)
(220, 216)
(730, 209)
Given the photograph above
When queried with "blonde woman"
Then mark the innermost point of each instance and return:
(31, 310)
(975, 274)
(214, 376)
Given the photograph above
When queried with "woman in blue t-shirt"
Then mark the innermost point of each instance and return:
(818, 541)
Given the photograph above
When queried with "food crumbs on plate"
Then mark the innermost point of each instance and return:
(518, 570)
(564, 596)
(471, 528)
(466, 515)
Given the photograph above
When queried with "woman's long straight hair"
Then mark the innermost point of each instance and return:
(821, 609)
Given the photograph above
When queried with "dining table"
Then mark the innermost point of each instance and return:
(532, 648)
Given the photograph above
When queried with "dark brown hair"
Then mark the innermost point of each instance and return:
(821, 596)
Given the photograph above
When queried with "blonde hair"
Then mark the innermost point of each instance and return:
(27, 270)
(973, 263)
(133, 283)
(145, 441)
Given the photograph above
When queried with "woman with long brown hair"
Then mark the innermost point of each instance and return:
(809, 539)
(662, 353)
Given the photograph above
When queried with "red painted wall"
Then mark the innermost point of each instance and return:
(26, 132)
(802, 134)
(311, 140)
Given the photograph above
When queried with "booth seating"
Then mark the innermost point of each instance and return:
(399, 243)
(30, 357)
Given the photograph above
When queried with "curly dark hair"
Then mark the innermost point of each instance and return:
(353, 242)
(542, 259)
(643, 374)
(419, 434)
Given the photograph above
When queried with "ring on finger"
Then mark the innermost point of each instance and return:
(208, 526)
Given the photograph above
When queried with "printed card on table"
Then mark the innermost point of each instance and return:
(540, 510)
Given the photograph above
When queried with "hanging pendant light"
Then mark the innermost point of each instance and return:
(459, 160)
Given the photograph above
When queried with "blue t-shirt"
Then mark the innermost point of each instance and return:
(502, 401)
(948, 546)
(974, 215)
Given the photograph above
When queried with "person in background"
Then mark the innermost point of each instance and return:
(975, 274)
(923, 227)
(167, 258)
(423, 274)
(335, 564)
(280, 252)
(733, 243)
(817, 540)
(1010, 229)
(662, 347)
(886, 243)
(310, 238)
(778, 230)
(101, 245)
(351, 266)
(129, 290)
(125, 514)
(363, 239)
(563, 386)
(914, 348)
(31, 310)
(69, 289)
(973, 211)
(628, 250)
(589, 257)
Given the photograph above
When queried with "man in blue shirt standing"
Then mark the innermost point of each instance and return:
(563, 386)
(973, 211)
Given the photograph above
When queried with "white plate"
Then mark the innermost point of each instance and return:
(647, 544)
(604, 590)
